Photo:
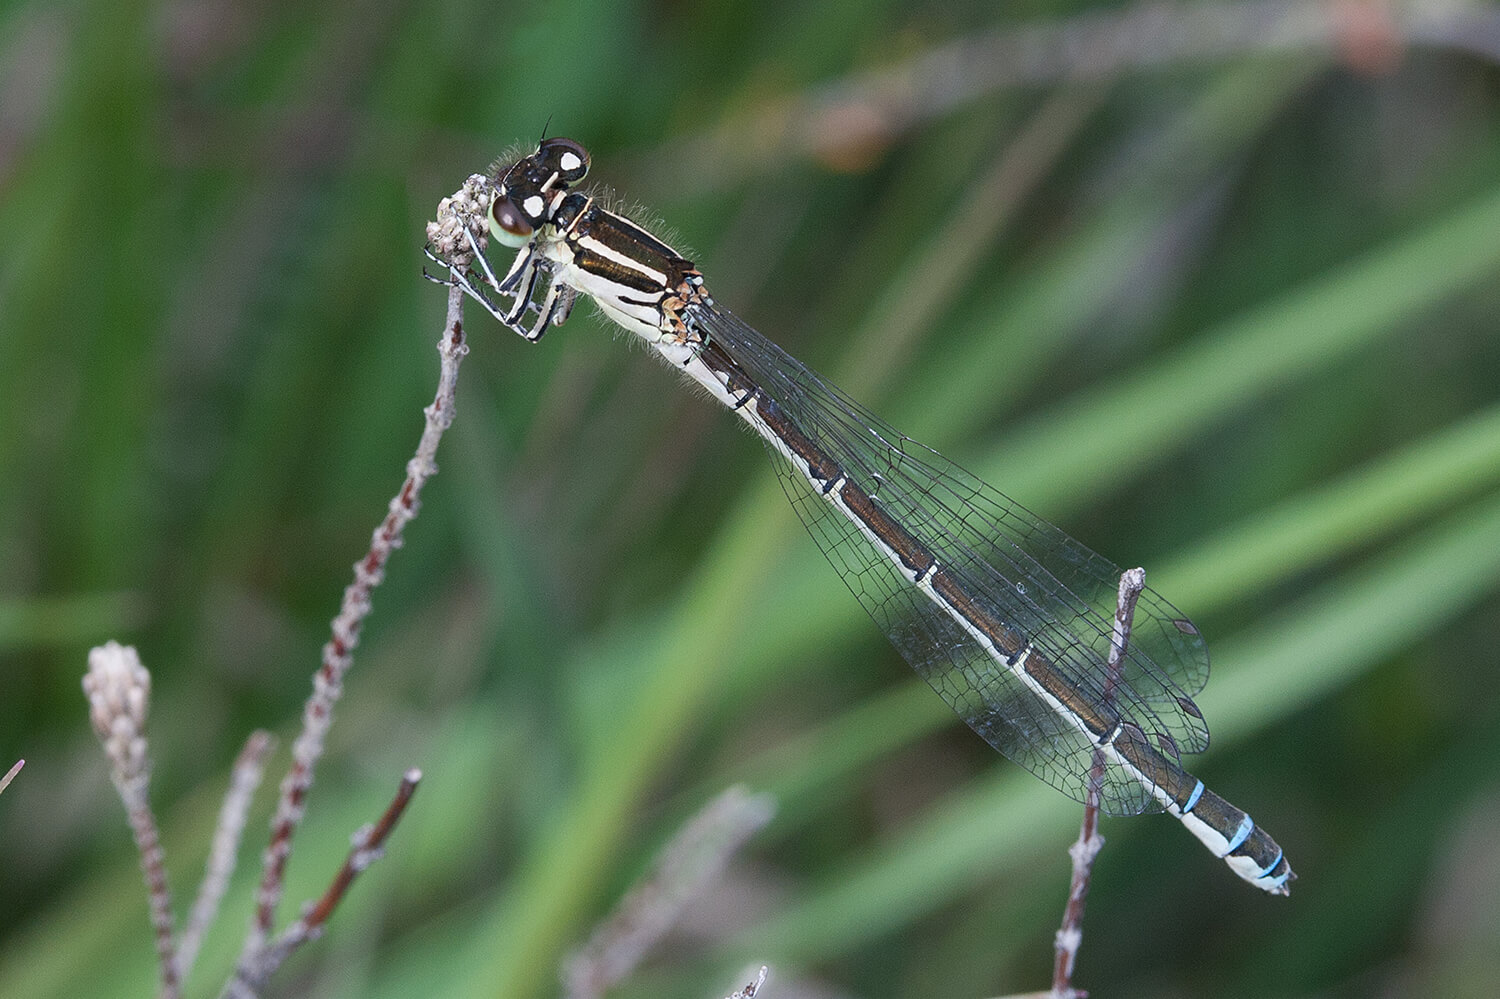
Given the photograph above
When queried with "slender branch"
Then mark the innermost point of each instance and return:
(1086, 849)
(367, 845)
(249, 767)
(154, 867)
(317, 714)
(846, 121)
(1069, 936)
(1132, 582)
(119, 692)
(11, 775)
(693, 856)
(753, 989)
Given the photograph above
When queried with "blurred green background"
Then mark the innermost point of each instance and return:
(1229, 312)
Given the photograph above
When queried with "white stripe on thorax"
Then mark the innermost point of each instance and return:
(630, 263)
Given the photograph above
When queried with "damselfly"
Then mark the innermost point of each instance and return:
(1005, 616)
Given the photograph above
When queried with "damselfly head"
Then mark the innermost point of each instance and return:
(567, 158)
(528, 192)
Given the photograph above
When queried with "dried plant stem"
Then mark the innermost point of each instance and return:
(1086, 849)
(11, 774)
(753, 989)
(1070, 935)
(367, 845)
(317, 714)
(154, 868)
(693, 856)
(844, 121)
(118, 688)
(243, 781)
(119, 692)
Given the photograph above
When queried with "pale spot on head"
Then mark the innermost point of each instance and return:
(570, 162)
(534, 205)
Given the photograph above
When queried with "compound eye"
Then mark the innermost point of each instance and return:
(507, 224)
(564, 156)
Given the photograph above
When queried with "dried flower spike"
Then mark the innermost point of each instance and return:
(119, 693)
(460, 224)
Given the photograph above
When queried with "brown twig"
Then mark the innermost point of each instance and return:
(367, 845)
(317, 714)
(119, 692)
(1086, 849)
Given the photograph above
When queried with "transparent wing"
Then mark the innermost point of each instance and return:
(1055, 592)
